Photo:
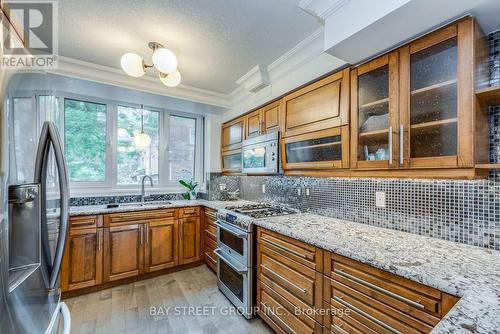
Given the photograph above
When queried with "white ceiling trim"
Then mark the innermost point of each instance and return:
(321, 9)
(108, 75)
(309, 48)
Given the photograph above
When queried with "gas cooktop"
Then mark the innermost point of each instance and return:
(262, 210)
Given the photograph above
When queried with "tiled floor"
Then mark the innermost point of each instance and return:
(127, 308)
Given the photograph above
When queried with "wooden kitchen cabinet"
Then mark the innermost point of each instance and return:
(233, 134)
(304, 289)
(189, 240)
(231, 161)
(375, 113)
(318, 106)
(325, 149)
(441, 124)
(161, 244)
(264, 120)
(210, 239)
(83, 256)
(123, 251)
(254, 126)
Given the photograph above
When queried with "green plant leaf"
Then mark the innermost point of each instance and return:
(185, 195)
(185, 184)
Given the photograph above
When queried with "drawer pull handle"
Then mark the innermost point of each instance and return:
(285, 248)
(304, 291)
(379, 289)
(211, 215)
(339, 329)
(211, 234)
(267, 311)
(366, 315)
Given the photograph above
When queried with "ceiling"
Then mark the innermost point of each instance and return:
(216, 41)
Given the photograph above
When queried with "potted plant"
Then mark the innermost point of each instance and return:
(191, 186)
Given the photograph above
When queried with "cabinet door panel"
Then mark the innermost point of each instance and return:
(161, 245)
(271, 119)
(374, 114)
(189, 240)
(82, 266)
(254, 124)
(233, 134)
(430, 100)
(321, 105)
(124, 256)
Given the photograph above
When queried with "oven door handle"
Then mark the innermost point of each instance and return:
(231, 230)
(221, 256)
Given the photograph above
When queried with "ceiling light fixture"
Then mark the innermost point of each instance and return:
(163, 60)
(142, 139)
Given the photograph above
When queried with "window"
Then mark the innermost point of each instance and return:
(182, 147)
(133, 162)
(98, 139)
(85, 140)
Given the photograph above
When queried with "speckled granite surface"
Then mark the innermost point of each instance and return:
(101, 209)
(469, 272)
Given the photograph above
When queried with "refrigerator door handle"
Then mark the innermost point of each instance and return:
(50, 136)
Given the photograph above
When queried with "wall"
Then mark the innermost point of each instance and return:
(461, 211)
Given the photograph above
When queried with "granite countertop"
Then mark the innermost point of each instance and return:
(469, 272)
(101, 209)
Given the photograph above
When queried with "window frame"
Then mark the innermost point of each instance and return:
(110, 184)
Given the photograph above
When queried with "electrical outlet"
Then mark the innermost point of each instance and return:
(299, 191)
(263, 188)
(380, 199)
(308, 192)
(222, 186)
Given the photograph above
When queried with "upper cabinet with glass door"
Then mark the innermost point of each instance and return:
(438, 110)
(374, 113)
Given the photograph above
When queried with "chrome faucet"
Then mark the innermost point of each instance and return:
(143, 190)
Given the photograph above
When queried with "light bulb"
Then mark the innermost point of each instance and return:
(132, 64)
(164, 60)
(171, 80)
(142, 140)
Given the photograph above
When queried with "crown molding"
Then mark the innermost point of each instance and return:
(321, 9)
(309, 48)
(255, 79)
(108, 75)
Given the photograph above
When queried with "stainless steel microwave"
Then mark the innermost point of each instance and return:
(260, 155)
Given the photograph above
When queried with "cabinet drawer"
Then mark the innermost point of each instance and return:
(407, 296)
(281, 315)
(193, 211)
(210, 215)
(338, 322)
(297, 279)
(211, 232)
(209, 242)
(384, 313)
(137, 216)
(292, 249)
(92, 221)
(211, 261)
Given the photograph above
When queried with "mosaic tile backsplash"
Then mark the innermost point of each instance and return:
(462, 211)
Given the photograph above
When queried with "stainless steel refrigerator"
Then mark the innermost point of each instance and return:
(34, 201)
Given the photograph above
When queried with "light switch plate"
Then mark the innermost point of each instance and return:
(380, 199)
(222, 186)
(263, 188)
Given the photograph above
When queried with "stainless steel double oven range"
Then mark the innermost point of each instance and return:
(236, 252)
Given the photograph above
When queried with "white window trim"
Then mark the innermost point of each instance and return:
(110, 185)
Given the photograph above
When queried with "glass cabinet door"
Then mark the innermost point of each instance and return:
(231, 161)
(433, 101)
(322, 149)
(374, 112)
